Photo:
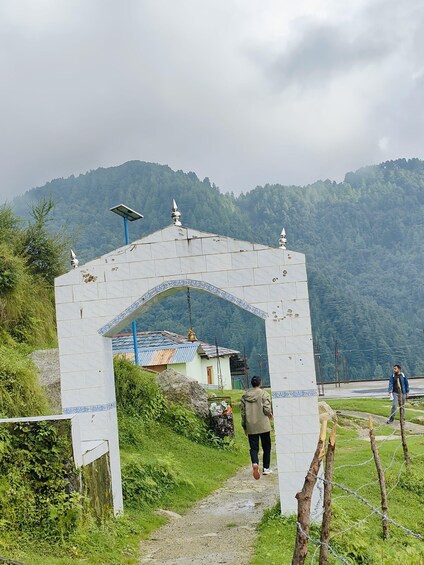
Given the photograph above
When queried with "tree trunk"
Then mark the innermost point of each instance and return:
(304, 498)
(328, 489)
(402, 425)
(381, 480)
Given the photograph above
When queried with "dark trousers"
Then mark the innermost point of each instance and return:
(266, 446)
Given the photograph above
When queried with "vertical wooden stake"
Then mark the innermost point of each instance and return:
(381, 480)
(402, 425)
(304, 498)
(328, 489)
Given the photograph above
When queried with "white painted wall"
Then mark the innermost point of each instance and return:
(97, 300)
(225, 370)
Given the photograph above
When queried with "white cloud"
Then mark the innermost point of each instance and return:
(243, 92)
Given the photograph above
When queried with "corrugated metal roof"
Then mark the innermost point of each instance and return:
(182, 354)
(151, 342)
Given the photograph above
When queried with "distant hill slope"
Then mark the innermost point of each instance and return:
(362, 238)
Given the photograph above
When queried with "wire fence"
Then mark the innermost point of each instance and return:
(355, 493)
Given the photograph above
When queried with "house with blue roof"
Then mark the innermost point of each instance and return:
(158, 350)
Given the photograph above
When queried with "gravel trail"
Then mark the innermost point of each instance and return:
(219, 529)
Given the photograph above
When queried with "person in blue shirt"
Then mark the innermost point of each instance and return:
(397, 382)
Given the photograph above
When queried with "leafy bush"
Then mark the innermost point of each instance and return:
(185, 423)
(147, 483)
(132, 430)
(141, 403)
(11, 270)
(44, 252)
(37, 486)
(137, 393)
(413, 481)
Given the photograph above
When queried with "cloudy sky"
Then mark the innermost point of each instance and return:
(245, 92)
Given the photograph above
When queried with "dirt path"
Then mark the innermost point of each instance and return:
(219, 529)
(409, 426)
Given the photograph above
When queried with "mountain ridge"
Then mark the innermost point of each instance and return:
(361, 238)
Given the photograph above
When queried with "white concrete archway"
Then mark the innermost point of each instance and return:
(96, 300)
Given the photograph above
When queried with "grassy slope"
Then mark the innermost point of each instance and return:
(381, 407)
(205, 468)
(362, 544)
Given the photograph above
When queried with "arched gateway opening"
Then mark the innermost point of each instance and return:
(98, 299)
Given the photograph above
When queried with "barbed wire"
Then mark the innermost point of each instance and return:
(320, 543)
(349, 492)
(401, 469)
(320, 501)
(375, 510)
(366, 462)
(352, 526)
(354, 464)
(372, 513)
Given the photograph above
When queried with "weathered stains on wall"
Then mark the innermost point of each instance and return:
(97, 486)
(87, 277)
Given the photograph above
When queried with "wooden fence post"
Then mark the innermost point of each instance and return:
(328, 489)
(381, 480)
(304, 498)
(402, 425)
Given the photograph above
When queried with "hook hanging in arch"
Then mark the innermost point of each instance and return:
(190, 335)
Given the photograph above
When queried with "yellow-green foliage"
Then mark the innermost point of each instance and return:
(27, 267)
(20, 393)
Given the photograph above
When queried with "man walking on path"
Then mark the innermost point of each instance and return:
(256, 412)
(397, 382)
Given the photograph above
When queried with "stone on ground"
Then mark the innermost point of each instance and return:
(179, 388)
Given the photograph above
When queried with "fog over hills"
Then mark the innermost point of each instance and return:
(362, 238)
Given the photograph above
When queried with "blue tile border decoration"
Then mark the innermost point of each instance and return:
(94, 408)
(181, 283)
(294, 393)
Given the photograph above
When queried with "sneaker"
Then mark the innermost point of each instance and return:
(256, 473)
(389, 421)
(267, 471)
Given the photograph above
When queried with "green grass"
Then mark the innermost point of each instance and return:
(362, 544)
(204, 470)
(380, 407)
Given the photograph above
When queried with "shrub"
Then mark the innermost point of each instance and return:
(37, 498)
(185, 423)
(413, 481)
(137, 393)
(20, 393)
(141, 402)
(11, 270)
(147, 483)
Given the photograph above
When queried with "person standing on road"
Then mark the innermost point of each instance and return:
(397, 382)
(256, 413)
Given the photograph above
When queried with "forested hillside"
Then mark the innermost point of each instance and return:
(361, 238)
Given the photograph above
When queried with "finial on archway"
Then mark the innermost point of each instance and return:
(74, 260)
(283, 239)
(176, 214)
